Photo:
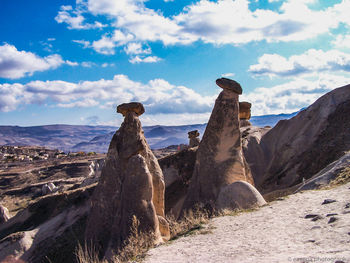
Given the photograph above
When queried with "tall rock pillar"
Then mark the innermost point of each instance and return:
(220, 160)
(245, 113)
(131, 184)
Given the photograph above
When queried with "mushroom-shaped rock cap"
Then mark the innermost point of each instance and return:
(244, 110)
(136, 107)
(244, 105)
(229, 84)
(194, 133)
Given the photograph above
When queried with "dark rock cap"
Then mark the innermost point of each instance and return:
(229, 84)
(136, 107)
(244, 105)
(194, 133)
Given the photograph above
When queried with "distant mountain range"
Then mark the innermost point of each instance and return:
(97, 138)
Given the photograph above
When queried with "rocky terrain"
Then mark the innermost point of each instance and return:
(13, 154)
(23, 176)
(52, 205)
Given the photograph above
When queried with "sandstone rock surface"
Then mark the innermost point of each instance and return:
(244, 110)
(220, 160)
(239, 195)
(48, 188)
(49, 230)
(245, 123)
(131, 184)
(177, 169)
(194, 140)
(303, 145)
(4, 214)
(327, 174)
(253, 152)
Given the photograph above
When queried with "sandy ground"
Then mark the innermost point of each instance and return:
(278, 232)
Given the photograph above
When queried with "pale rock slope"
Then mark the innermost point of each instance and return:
(298, 148)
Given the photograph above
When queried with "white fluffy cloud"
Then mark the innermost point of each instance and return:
(292, 96)
(11, 96)
(342, 41)
(107, 44)
(174, 119)
(229, 74)
(307, 63)
(217, 22)
(74, 19)
(17, 64)
(232, 22)
(80, 104)
(105, 65)
(164, 103)
(139, 59)
(104, 45)
(158, 95)
(136, 48)
(84, 43)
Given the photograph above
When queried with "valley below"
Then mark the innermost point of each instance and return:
(86, 138)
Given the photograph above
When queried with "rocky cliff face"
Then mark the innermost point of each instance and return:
(177, 169)
(131, 184)
(49, 230)
(303, 145)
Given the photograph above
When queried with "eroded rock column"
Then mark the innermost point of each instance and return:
(131, 184)
(194, 140)
(220, 160)
(244, 113)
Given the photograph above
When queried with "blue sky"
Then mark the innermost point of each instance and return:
(74, 61)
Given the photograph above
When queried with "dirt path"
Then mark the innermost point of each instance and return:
(278, 232)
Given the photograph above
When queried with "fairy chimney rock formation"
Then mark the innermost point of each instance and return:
(244, 113)
(131, 185)
(194, 140)
(220, 160)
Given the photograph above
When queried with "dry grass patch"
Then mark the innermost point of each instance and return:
(191, 223)
(134, 249)
(137, 245)
(342, 178)
(87, 254)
